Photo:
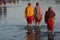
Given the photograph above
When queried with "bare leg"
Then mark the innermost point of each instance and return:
(27, 24)
(36, 24)
(39, 24)
(30, 24)
(52, 32)
(48, 31)
(29, 27)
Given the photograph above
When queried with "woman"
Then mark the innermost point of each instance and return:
(49, 19)
(38, 14)
(29, 14)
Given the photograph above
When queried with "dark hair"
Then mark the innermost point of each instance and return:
(29, 4)
(49, 7)
(37, 3)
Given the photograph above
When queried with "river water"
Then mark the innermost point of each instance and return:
(13, 23)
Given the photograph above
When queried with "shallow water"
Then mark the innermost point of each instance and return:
(13, 23)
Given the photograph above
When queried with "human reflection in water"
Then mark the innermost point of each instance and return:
(50, 37)
(18, 1)
(0, 19)
(5, 11)
(0, 10)
(38, 35)
(30, 35)
(0, 14)
(14, 1)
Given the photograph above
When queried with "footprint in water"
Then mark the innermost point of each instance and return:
(14, 36)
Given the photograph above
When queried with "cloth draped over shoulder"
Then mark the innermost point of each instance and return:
(29, 11)
(49, 15)
(38, 12)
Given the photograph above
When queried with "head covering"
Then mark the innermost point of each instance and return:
(29, 4)
(37, 3)
(50, 8)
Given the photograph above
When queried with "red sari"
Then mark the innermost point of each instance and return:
(49, 19)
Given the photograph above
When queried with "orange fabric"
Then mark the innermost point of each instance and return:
(29, 11)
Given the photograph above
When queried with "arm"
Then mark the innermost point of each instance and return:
(45, 17)
(25, 12)
(41, 13)
(54, 14)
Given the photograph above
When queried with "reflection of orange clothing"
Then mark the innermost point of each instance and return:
(31, 36)
(29, 11)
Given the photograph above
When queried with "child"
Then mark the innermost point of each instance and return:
(38, 14)
(49, 19)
